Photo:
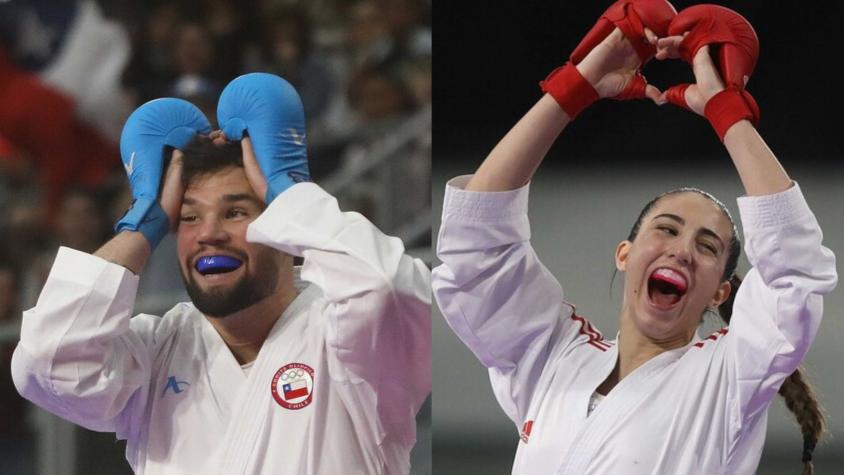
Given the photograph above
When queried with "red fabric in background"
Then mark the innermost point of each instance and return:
(42, 122)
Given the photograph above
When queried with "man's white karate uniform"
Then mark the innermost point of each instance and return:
(172, 388)
(697, 409)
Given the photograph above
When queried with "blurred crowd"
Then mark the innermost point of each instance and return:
(72, 71)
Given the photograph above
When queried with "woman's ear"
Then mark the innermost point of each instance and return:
(721, 294)
(621, 253)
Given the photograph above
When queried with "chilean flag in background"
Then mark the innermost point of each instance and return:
(295, 389)
(61, 101)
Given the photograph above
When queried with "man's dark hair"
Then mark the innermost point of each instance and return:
(203, 157)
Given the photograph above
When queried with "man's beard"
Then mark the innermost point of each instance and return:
(220, 302)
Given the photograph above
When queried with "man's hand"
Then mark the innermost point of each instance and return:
(148, 134)
(252, 169)
(250, 163)
(268, 110)
(172, 190)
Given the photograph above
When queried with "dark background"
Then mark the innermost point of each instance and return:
(491, 56)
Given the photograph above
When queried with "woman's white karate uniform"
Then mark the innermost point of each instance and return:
(171, 387)
(701, 408)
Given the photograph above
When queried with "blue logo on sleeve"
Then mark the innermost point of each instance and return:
(175, 385)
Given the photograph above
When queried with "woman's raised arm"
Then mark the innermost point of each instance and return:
(609, 70)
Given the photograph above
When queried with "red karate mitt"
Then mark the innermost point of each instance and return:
(735, 51)
(568, 86)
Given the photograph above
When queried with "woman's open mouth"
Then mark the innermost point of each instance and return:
(666, 287)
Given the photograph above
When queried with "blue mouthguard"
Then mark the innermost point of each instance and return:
(217, 263)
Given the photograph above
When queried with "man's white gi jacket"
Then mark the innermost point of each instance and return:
(335, 388)
(699, 409)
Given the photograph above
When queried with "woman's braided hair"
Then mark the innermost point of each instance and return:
(798, 394)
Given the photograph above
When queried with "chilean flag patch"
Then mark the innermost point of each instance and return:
(295, 390)
(293, 385)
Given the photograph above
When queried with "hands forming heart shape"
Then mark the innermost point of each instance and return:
(613, 68)
(609, 59)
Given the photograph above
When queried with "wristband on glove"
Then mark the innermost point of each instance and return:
(728, 107)
(635, 88)
(145, 216)
(677, 95)
(570, 89)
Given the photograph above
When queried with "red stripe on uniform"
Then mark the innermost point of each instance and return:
(596, 345)
(595, 337)
(600, 335)
(592, 331)
(584, 328)
(714, 336)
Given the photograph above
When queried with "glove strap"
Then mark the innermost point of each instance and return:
(634, 30)
(728, 107)
(570, 89)
(677, 95)
(282, 182)
(146, 216)
(635, 89)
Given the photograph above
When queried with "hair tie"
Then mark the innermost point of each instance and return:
(808, 447)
